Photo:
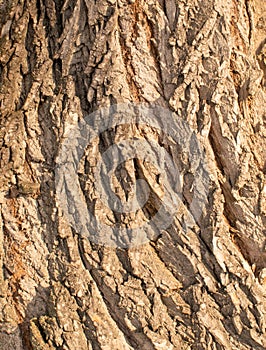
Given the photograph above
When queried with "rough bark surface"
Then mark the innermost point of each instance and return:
(204, 60)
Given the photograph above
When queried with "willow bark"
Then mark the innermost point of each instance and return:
(205, 61)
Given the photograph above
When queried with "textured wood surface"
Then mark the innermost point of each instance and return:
(205, 61)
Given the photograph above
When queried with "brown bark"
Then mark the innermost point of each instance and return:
(206, 62)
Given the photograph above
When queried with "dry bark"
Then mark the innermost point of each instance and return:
(204, 60)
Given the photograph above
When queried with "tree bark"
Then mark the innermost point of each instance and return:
(202, 288)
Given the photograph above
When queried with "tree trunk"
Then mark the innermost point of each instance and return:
(196, 283)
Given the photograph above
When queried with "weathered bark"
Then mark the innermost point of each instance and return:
(203, 60)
